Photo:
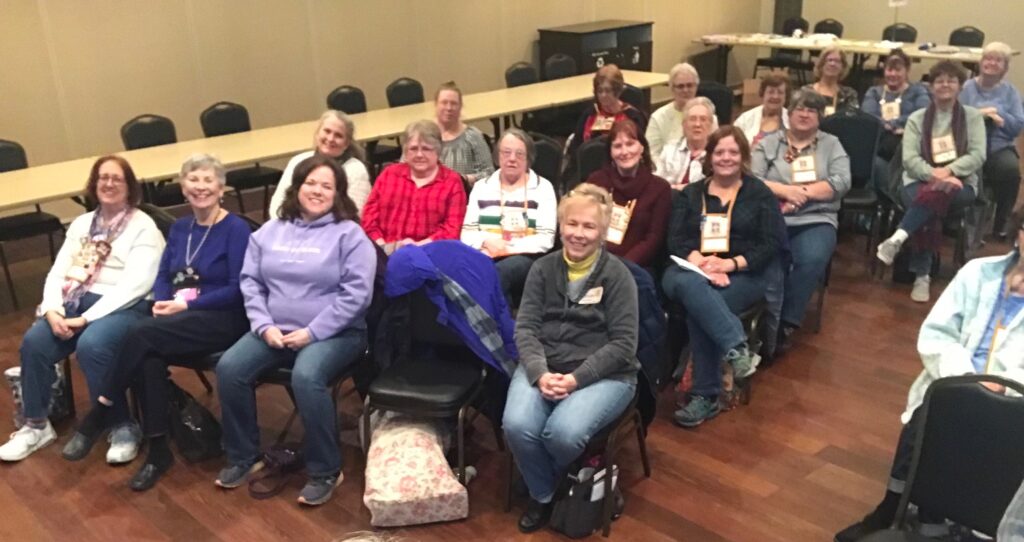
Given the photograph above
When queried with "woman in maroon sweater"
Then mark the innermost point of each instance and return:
(643, 201)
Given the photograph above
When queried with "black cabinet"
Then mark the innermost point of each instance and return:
(627, 44)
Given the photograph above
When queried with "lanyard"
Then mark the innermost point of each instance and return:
(732, 201)
(501, 200)
(998, 315)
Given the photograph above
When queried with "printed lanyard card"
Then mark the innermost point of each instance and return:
(804, 169)
(186, 285)
(890, 110)
(943, 149)
(830, 110)
(714, 234)
(620, 222)
(514, 224)
(602, 124)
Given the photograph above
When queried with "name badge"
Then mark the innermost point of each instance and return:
(593, 296)
(804, 170)
(514, 224)
(830, 110)
(620, 222)
(602, 124)
(943, 149)
(186, 285)
(714, 234)
(890, 110)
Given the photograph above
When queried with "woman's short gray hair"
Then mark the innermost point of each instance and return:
(531, 150)
(427, 131)
(808, 99)
(681, 68)
(204, 161)
(708, 104)
(998, 48)
(354, 148)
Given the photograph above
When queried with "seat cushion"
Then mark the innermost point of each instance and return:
(28, 225)
(430, 386)
(860, 198)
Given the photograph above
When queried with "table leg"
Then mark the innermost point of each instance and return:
(723, 63)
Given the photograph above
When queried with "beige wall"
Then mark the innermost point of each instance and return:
(75, 71)
(934, 20)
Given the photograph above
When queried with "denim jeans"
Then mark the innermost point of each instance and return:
(313, 368)
(812, 246)
(96, 347)
(512, 272)
(547, 436)
(1002, 176)
(774, 293)
(917, 216)
(711, 319)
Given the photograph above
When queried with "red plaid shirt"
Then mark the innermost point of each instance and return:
(397, 209)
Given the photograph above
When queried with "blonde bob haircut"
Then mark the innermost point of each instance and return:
(820, 63)
(588, 194)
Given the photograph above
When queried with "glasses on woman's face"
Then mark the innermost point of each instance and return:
(684, 86)
(420, 149)
(107, 178)
(509, 153)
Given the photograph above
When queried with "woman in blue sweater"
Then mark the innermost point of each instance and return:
(999, 101)
(198, 311)
(307, 281)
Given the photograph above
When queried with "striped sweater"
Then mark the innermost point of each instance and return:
(483, 214)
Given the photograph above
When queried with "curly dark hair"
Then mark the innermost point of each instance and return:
(134, 187)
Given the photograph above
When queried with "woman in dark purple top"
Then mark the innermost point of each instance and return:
(197, 311)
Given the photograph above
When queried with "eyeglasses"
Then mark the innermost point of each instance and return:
(422, 149)
(509, 153)
(110, 179)
(684, 86)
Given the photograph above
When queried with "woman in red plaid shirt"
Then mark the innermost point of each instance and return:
(418, 200)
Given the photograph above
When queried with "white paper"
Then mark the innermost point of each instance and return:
(689, 266)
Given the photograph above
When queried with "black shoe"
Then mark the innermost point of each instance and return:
(148, 475)
(783, 341)
(536, 516)
(871, 523)
(78, 447)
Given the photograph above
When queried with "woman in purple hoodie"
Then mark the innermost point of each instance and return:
(307, 281)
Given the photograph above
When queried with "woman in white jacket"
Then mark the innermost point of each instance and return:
(771, 116)
(95, 290)
(335, 136)
(976, 326)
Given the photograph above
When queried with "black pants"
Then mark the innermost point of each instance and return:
(905, 447)
(1002, 175)
(154, 343)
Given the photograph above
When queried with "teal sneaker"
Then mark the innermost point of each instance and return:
(743, 361)
(699, 410)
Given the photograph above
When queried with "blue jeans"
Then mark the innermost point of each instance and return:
(547, 436)
(917, 216)
(774, 286)
(812, 247)
(96, 347)
(711, 319)
(313, 368)
(512, 273)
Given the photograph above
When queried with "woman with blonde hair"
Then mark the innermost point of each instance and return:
(829, 71)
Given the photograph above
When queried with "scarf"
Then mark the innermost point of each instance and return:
(929, 236)
(88, 261)
(578, 270)
(958, 125)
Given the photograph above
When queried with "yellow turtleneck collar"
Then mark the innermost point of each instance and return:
(579, 269)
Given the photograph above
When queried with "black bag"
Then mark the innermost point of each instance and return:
(576, 513)
(193, 428)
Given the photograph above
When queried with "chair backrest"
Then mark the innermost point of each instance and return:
(347, 99)
(967, 462)
(547, 161)
(721, 96)
(794, 23)
(520, 73)
(635, 97)
(423, 322)
(967, 36)
(559, 66)
(148, 131)
(859, 133)
(829, 26)
(404, 91)
(224, 118)
(12, 156)
(162, 218)
(591, 156)
(900, 32)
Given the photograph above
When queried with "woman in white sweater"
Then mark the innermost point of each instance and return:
(95, 290)
(335, 136)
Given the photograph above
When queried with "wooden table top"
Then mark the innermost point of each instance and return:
(60, 180)
(817, 42)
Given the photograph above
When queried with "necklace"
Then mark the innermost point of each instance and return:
(189, 255)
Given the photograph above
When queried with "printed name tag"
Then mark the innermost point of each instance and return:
(620, 222)
(830, 110)
(593, 296)
(890, 111)
(714, 235)
(804, 170)
(943, 149)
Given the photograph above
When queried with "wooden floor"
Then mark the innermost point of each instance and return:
(807, 456)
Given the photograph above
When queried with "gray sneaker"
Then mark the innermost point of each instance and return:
(743, 361)
(887, 250)
(124, 443)
(319, 490)
(233, 476)
(699, 410)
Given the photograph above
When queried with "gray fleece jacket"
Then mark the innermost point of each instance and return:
(592, 340)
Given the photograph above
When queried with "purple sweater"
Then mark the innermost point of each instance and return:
(315, 275)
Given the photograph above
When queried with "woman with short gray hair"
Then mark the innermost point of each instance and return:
(198, 311)
(680, 162)
(666, 124)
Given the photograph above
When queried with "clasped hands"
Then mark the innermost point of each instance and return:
(717, 269)
(556, 386)
(293, 341)
(943, 180)
(64, 328)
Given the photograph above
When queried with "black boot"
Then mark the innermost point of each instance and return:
(879, 519)
(158, 460)
(536, 516)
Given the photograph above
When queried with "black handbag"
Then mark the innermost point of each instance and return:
(193, 428)
(577, 509)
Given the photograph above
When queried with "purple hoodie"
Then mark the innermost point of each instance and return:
(316, 275)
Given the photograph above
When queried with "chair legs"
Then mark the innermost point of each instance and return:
(7, 273)
(241, 200)
(461, 444)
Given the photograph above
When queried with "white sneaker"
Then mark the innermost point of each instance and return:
(888, 249)
(124, 444)
(26, 440)
(922, 291)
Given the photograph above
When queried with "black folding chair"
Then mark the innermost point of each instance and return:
(721, 96)
(146, 131)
